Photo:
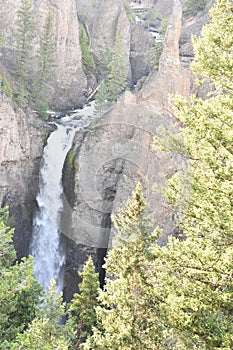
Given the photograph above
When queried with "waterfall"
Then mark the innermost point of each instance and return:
(46, 244)
(46, 247)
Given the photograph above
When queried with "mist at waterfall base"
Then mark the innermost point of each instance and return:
(47, 246)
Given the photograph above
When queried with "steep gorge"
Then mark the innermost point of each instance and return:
(114, 153)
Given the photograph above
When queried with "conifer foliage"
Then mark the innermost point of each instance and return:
(25, 35)
(34, 71)
(46, 62)
(128, 317)
(118, 71)
(114, 72)
(197, 292)
(46, 54)
(102, 99)
(19, 291)
(82, 308)
(87, 59)
(179, 296)
(46, 331)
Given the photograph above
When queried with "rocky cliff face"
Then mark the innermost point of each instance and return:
(116, 153)
(70, 81)
(172, 77)
(102, 20)
(21, 145)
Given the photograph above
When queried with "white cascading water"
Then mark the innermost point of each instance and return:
(46, 244)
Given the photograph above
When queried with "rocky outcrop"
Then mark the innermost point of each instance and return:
(116, 154)
(192, 25)
(21, 145)
(103, 20)
(172, 78)
(141, 41)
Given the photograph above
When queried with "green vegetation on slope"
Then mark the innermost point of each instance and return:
(41, 91)
(19, 291)
(33, 71)
(87, 58)
(82, 314)
(115, 73)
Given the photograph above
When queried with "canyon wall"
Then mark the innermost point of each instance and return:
(22, 139)
(116, 153)
(70, 81)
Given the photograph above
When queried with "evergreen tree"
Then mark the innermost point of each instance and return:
(25, 34)
(193, 294)
(102, 99)
(8, 254)
(118, 71)
(128, 317)
(46, 68)
(5, 86)
(206, 205)
(46, 332)
(193, 7)
(46, 54)
(19, 292)
(114, 73)
(104, 62)
(153, 55)
(195, 273)
(82, 307)
(87, 59)
(215, 46)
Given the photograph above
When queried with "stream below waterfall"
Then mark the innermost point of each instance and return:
(47, 245)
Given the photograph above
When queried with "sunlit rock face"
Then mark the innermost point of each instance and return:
(21, 145)
(70, 85)
(70, 81)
